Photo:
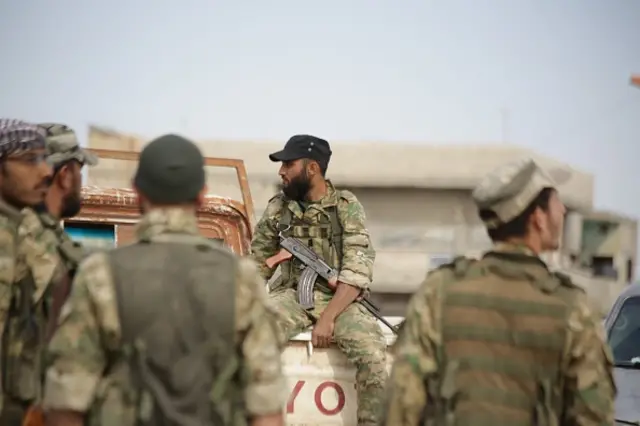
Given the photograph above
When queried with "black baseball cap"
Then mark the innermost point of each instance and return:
(304, 146)
(170, 170)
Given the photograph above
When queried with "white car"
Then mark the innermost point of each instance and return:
(623, 333)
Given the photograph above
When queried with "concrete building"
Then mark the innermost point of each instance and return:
(419, 208)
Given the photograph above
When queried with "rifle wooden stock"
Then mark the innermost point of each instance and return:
(278, 258)
(33, 417)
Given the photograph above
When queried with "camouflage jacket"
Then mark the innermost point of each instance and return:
(358, 254)
(28, 251)
(477, 337)
(89, 330)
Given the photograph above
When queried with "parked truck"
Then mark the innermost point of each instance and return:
(321, 382)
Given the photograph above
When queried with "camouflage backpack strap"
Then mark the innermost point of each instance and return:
(441, 386)
(285, 218)
(336, 227)
(71, 251)
(458, 266)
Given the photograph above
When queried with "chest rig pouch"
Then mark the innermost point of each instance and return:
(323, 237)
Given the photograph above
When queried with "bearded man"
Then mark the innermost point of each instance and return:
(67, 159)
(330, 222)
(63, 201)
(29, 267)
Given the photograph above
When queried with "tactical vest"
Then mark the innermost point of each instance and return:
(504, 330)
(178, 364)
(324, 238)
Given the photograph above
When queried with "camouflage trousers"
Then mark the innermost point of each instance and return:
(356, 333)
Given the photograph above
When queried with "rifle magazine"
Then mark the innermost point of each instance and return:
(306, 285)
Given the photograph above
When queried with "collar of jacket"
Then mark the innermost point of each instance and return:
(513, 248)
(10, 211)
(167, 220)
(330, 199)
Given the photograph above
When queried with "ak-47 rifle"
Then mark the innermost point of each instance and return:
(314, 266)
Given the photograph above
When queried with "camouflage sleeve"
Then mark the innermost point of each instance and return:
(37, 253)
(589, 385)
(265, 241)
(255, 318)
(414, 356)
(358, 253)
(7, 269)
(77, 355)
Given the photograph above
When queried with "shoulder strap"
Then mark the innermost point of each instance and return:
(285, 218)
(285, 213)
(566, 281)
(71, 250)
(458, 266)
(336, 226)
(336, 230)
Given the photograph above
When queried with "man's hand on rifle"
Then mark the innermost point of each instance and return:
(322, 332)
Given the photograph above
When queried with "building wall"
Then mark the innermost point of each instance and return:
(391, 165)
(410, 227)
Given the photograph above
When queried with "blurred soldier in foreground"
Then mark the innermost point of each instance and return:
(29, 267)
(63, 201)
(503, 340)
(171, 329)
(332, 223)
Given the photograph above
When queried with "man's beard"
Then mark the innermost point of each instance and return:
(71, 205)
(298, 187)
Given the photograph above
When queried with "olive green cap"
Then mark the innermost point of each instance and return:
(170, 170)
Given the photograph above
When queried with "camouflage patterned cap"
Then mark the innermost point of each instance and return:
(508, 190)
(18, 135)
(63, 145)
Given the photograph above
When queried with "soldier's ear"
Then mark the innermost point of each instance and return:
(538, 219)
(64, 176)
(313, 168)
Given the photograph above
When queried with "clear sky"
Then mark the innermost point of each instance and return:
(551, 75)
